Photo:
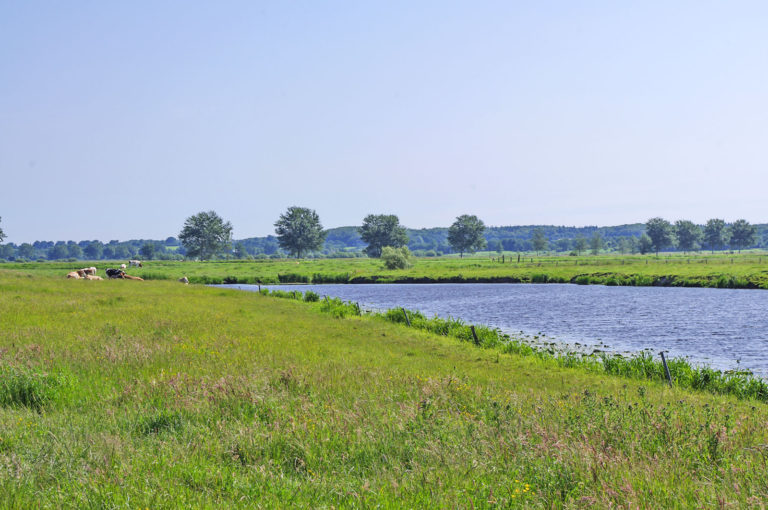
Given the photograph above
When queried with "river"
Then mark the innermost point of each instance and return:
(723, 328)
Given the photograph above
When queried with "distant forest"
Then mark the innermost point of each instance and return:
(346, 242)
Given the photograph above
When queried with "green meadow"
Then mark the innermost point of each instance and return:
(125, 394)
(745, 270)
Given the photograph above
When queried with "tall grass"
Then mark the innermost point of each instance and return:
(160, 395)
(642, 366)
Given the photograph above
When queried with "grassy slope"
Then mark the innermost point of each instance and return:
(726, 270)
(164, 395)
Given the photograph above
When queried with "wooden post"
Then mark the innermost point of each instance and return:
(407, 320)
(474, 335)
(666, 368)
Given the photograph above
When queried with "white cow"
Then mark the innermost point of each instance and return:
(135, 263)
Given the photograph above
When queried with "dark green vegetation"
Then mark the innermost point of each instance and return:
(160, 395)
(380, 230)
(204, 236)
(299, 231)
(346, 242)
(466, 234)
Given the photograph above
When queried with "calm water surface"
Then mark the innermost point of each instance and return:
(713, 326)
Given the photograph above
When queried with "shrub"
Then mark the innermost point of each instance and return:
(293, 278)
(396, 258)
(311, 297)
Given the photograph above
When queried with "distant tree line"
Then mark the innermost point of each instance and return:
(467, 235)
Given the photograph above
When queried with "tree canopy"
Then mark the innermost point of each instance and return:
(742, 234)
(539, 240)
(466, 234)
(661, 233)
(715, 234)
(299, 231)
(2, 234)
(205, 235)
(380, 230)
(596, 243)
(688, 235)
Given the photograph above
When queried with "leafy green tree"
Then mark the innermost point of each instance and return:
(596, 243)
(59, 251)
(94, 250)
(2, 234)
(240, 251)
(7, 251)
(380, 230)
(688, 235)
(539, 240)
(644, 244)
(26, 250)
(625, 245)
(121, 251)
(74, 251)
(742, 234)
(396, 258)
(299, 231)
(205, 235)
(661, 233)
(580, 244)
(715, 234)
(466, 234)
(147, 251)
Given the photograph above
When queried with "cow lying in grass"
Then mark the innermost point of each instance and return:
(119, 273)
(77, 275)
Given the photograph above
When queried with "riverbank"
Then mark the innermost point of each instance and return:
(722, 270)
(161, 395)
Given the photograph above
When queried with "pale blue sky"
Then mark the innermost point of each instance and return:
(119, 120)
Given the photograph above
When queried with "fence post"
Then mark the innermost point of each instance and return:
(474, 335)
(666, 369)
(407, 320)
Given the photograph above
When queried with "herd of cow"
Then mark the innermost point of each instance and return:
(89, 273)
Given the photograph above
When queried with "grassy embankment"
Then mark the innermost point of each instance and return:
(155, 394)
(748, 270)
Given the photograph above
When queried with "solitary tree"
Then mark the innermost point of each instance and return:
(644, 244)
(466, 234)
(742, 234)
(205, 235)
(580, 245)
(380, 230)
(688, 235)
(596, 243)
(539, 240)
(2, 234)
(715, 234)
(299, 231)
(660, 232)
